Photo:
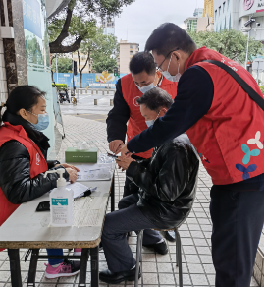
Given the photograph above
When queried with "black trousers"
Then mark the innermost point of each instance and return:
(237, 218)
(127, 189)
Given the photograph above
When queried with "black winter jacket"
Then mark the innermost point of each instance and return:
(167, 182)
(118, 117)
(15, 179)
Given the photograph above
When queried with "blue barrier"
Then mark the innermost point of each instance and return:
(88, 80)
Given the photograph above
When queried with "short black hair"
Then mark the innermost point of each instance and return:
(142, 61)
(168, 37)
(155, 99)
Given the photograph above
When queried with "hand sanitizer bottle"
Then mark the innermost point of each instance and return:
(61, 202)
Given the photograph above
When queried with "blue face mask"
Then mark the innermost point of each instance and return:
(43, 121)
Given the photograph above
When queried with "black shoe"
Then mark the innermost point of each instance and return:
(169, 235)
(110, 277)
(160, 248)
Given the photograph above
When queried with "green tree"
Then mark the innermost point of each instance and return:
(64, 65)
(230, 43)
(104, 63)
(60, 26)
(102, 49)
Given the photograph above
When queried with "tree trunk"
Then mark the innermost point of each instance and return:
(56, 46)
(80, 70)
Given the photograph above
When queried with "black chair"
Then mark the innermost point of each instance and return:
(139, 255)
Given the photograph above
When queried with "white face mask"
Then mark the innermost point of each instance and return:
(167, 75)
(151, 122)
(144, 89)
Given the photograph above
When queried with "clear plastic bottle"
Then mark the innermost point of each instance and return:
(61, 202)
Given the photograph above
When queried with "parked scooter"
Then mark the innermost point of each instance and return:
(63, 96)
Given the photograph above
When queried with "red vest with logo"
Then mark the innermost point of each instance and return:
(37, 163)
(137, 122)
(230, 136)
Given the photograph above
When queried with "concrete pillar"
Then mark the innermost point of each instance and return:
(95, 102)
(103, 93)
(111, 102)
(15, 48)
(96, 91)
(92, 92)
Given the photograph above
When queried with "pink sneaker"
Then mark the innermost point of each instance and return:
(77, 252)
(66, 268)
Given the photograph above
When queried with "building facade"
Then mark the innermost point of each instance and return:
(195, 24)
(198, 12)
(127, 50)
(208, 8)
(24, 49)
(234, 14)
(108, 26)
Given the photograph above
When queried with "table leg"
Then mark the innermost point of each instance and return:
(94, 266)
(14, 258)
(83, 265)
(112, 195)
(32, 268)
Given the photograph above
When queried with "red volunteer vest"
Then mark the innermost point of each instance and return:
(38, 163)
(230, 137)
(137, 122)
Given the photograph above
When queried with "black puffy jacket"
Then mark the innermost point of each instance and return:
(167, 182)
(15, 179)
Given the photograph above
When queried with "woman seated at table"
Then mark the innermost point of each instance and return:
(23, 161)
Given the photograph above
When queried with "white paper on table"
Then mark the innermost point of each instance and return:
(77, 188)
(97, 171)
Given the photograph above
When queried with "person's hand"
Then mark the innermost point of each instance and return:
(115, 146)
(72, 174)
(125, 152)
(66, 165)
(124, 162)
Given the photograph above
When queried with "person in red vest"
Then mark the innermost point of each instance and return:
(23, 161)
(226, 126)
(129, 88)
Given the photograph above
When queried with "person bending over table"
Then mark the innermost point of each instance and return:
(166, 185)
(142, 78)
(23, 161)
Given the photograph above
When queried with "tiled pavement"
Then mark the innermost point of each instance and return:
(157, 270)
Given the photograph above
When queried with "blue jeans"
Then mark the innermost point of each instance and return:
(55, 252)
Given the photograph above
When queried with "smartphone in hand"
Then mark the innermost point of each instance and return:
(113, 156)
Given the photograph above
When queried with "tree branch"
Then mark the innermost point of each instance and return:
(65, 49)
(64, 33)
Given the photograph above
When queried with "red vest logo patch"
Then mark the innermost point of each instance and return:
(37, 159)
(134, 101)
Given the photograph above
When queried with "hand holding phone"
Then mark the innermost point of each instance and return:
(113, 156)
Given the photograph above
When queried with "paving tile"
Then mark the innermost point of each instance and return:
(158, 270)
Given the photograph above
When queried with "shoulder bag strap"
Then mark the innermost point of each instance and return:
(250, 91)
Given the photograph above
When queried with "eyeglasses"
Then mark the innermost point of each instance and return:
(159, 68)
